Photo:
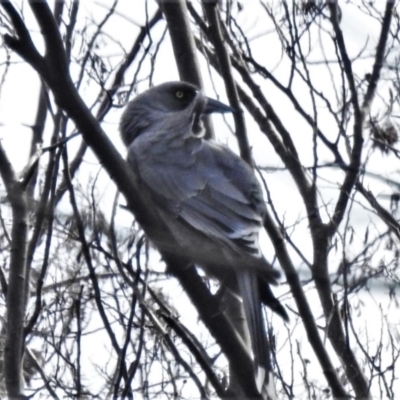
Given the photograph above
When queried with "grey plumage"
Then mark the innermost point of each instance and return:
(207, 197)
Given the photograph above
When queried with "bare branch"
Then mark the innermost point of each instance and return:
(216, 37)
(16, 281)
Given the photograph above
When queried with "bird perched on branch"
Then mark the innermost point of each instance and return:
(207, 197)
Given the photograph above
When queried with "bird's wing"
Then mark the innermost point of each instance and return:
(210, 188)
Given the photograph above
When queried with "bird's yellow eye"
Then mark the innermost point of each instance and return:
(179, 94)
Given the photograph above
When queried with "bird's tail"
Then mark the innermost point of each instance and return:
(268, 298)
(250, 293)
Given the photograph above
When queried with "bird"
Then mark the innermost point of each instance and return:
(207, 197)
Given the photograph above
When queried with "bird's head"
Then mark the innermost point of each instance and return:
(174, 102)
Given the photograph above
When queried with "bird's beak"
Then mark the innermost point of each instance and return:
(215, 106)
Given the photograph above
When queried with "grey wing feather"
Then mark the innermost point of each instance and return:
(214, 218)
(241, 175)
(210, 188)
